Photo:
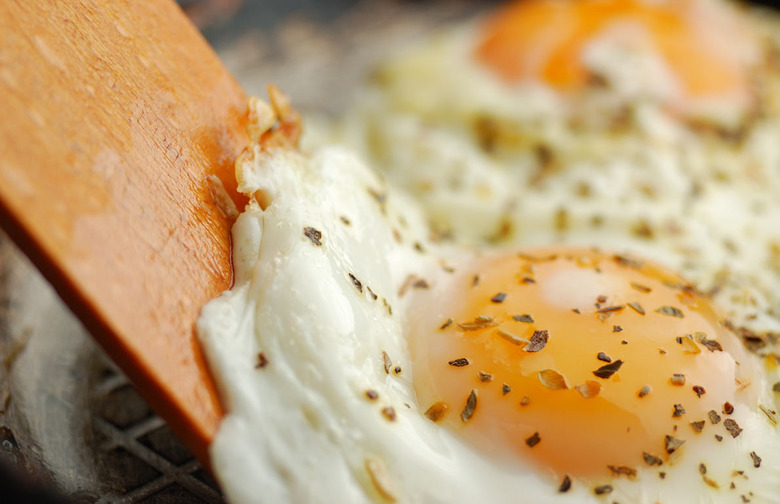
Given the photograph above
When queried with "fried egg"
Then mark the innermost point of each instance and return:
(361, 358)
(546, 122)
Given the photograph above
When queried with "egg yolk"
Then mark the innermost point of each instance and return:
(545, 39)
(576, 360)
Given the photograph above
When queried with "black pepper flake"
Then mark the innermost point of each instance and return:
(538, 341)
(637, 307)
(459, 362)
(357, 283)
(505, 389)
(344, 220)
(314, 235)
(533, 440)
(372, 395)
(624, 342)
(604, 357)
(678, 339)
(622, 471)
(608, 370)
(702, 468)
(728, 408)
(670, 311)
(644, 391)
(651, 460)
(603, 490)
(565, 484)
(627, 261)
(523, 318)
(389, 413)
(527, 280)
(776, 387)
(485, 377)
(525, 401)
(698, 426)
(475, 280)
(262, 361)
(576, 310)
(662, 475)
(601, 299)
(446, 324)
(672, 444)
(718, 437)
(397, 370)
(418, 247)
(470, 407)
(616, 328)
(714, 417)
(498, 298)
(732, 427)
(678, 411)
(699, 390)
(756, 459)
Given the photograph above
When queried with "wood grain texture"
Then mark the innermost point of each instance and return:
(114, 112)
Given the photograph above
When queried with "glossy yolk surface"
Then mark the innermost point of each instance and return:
(579, 300)
(545, 39)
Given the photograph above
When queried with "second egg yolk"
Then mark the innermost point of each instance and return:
(545, 40)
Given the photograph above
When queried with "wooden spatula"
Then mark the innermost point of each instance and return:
(112, 115)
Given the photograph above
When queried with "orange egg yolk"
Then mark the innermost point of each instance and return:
(545, 40)
(576, 360)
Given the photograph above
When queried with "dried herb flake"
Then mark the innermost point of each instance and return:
(480, 322)
(698, 426)
(498, 298)
(508, 336)
(314, 235)
(714, 417)
(533, 440)
(651, 460)
(436, 411)
(608, 370)
(538, 341)
(670, 311)
(732, 427)
(565, 484)
(588, 389)
(485, 377)
(470, 407)
(523, 318)
(637, 307)
(552, 379)
(461, 362)
(672, 444)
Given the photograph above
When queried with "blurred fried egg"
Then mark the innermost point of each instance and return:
(361, 361)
